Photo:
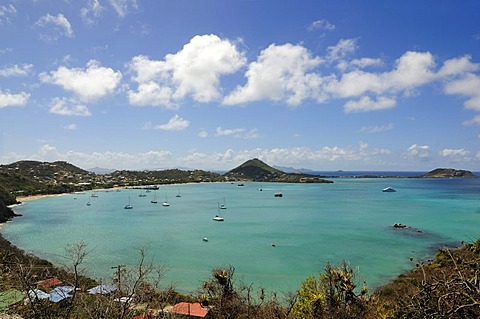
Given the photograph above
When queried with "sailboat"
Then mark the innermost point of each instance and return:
(142, 194)
(178, 194)
(165, 203)
(218, 217)
(223, 206)
(154, 200)
(128, 206)
(88, 203)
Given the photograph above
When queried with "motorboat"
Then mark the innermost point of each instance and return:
(388, 190)
(218, 218)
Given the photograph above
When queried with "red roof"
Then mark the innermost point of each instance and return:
(50, 282)
(190, 309)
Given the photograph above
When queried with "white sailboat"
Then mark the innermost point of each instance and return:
(224, 205)
(218, 217)
(129, 205)
(154, 200)
(165, 203)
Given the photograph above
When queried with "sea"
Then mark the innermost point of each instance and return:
(272, 242)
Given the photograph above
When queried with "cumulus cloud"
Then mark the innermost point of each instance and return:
(468, 86)
(455, 155)
(54, 27)
(290, 74)
(194, 72)
(117, 160)
(68, 107)
(16, 70)
(11, 99)
(88, 84)
(419, 152)
(280, 73)
(365, 104)
(176, 123)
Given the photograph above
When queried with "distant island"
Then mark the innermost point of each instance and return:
(449, 173)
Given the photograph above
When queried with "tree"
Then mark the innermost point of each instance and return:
(331, 295)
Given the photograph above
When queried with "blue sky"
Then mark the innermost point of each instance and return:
(209, 84)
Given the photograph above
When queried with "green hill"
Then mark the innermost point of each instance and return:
(449, 173)
(258, 171)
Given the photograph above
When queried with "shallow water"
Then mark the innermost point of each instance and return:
(311, 224)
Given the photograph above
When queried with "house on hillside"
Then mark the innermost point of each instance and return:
(191, 310)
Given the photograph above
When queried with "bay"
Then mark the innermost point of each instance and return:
(273, 242)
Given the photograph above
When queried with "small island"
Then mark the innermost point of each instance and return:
(449, 173)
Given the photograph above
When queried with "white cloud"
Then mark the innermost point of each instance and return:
(253, 133)
(365, 104)
(16, 70)
(455, 155)
(280, 73)
(203, 134)
(322, 24)
(116, 160)
(359, 64)
(343, 48)
(457, 66)
(237, 133)
(474, 121)
(71, 127)
(419, 152)
(68, 107)
(412, 70)
(176, 123)
(153, 94)
(468, 86)
(9, 99)
(194, 72)
(6, 12)
(122, 7)
(90, 84)
(91, 11)
(377, 128)
(53, 27)
(226, 132)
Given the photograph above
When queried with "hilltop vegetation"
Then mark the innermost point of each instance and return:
(449, 173)
(256, 170)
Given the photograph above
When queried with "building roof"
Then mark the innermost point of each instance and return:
(190, 309)
(50, 282)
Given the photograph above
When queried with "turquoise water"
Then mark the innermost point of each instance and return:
(310, 225)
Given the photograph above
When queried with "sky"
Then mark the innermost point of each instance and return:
(208, 84)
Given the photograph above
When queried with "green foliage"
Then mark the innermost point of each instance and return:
(331, 295)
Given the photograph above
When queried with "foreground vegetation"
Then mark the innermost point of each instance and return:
(447, 287)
